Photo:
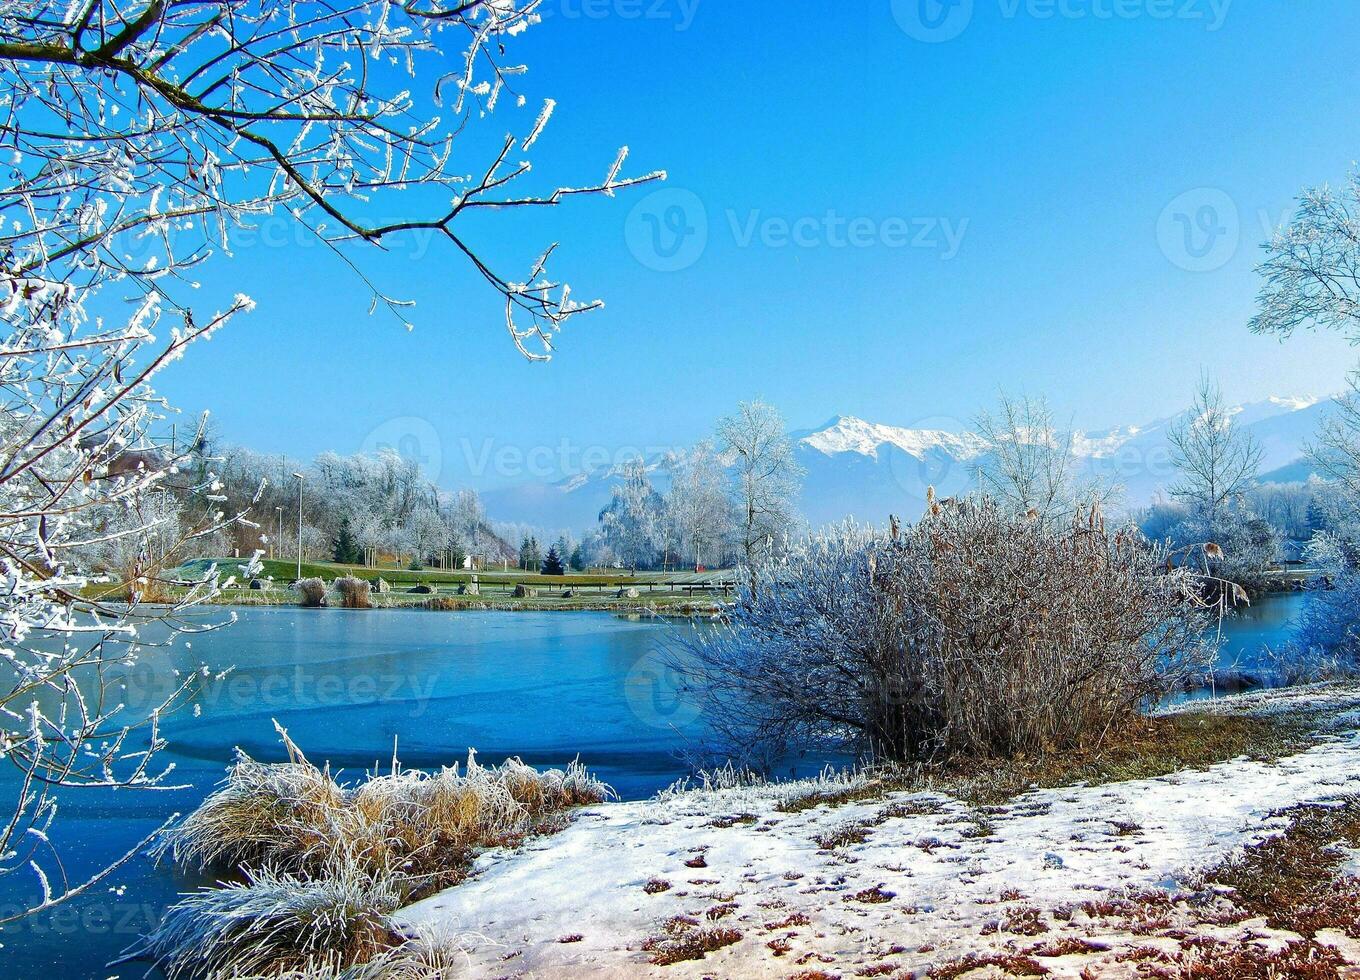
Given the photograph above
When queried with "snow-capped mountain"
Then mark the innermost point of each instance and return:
(860, 469)
(868, 470)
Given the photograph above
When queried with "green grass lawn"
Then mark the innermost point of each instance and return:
(285, 571)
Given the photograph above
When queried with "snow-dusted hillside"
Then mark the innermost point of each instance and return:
(867, 470)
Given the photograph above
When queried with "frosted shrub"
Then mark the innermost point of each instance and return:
(974, 631)
(1329, 629)
(1247, 548)
(326, 865)
(311, 592)
(354, 593)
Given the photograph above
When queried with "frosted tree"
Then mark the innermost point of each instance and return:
(697, 504)
(1217, 462)
(467, 519)
(1311, 273)
(178, 122)
(143, 531)
(1329, 624)
(427, 531)
(631, 524)
(766, 478)
(82, 489)
(368, 531)
(1311, 280)
(1030, 466)
(1336, 450)
(140, 137)
(1285, 505)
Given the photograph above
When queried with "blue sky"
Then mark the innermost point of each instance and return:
(1064, 198)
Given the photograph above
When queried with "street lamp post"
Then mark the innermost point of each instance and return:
(298, 477)
(276, 545)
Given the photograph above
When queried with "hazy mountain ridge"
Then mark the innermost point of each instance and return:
(867, 470)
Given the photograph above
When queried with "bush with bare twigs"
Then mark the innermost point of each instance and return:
(976, 631)
(355, 593)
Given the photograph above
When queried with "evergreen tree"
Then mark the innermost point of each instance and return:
(552, 565)
(346, 549)
(578, 560)
(530, 556)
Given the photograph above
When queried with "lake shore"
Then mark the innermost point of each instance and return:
(659, 605)
(1092, 876)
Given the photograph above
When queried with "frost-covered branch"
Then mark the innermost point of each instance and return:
(137, 138)
(1312, 268)
(137, 123)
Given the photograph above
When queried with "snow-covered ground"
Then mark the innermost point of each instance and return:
(889, 885)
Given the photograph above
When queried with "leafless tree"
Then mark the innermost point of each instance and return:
(427, 531)
(1218, 462)
(140, 137)
(1285, 505)
(468, 520)
(766, 479)
(1336, 450)
(1030, 463)
(697, 503)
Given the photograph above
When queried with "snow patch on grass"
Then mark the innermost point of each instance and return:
(842, 876)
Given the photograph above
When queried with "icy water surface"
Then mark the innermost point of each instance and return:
(1255, 631)
(347, 685)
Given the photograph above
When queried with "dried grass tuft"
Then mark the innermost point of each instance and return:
(355, 593)
(275, 923)
(311, 592)
(282, 815)
(326, 865)
(685, 939)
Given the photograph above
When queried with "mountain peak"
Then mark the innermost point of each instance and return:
(848, 434)
(1294, 403)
